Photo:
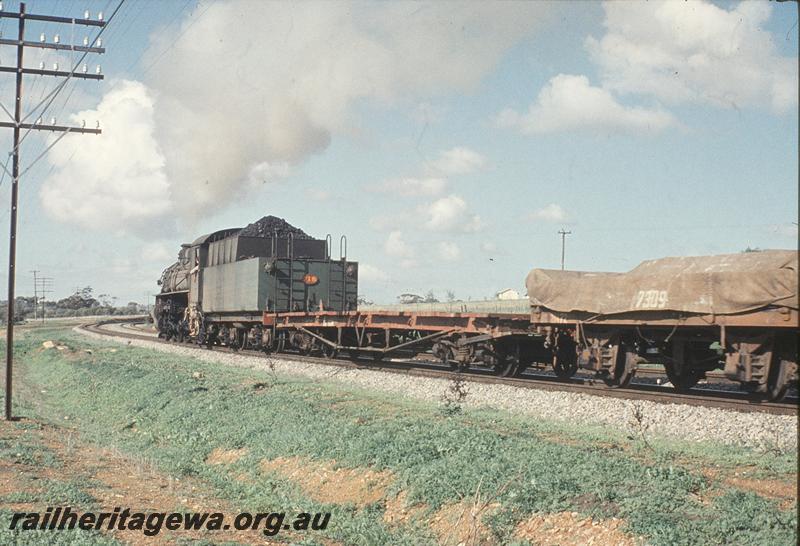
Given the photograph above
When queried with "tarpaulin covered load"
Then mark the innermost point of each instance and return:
(723, 284)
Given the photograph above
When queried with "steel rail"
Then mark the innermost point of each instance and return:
(735, 401)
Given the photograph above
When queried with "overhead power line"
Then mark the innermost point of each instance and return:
(18, 124)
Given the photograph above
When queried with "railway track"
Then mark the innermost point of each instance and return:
(729, 400)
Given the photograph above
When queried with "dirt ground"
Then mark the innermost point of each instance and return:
(112, 478)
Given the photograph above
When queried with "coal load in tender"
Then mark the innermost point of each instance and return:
(269, 225)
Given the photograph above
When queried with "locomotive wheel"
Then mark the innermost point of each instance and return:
(682, 379)
(779, 380)
(623, 371)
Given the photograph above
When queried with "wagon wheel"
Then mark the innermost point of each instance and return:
(304, 343)
(328, 351)
(780, 378)
(565, 362)
(508, 363)
(449, 358)
(506, 367)
(682, 377)
(624, 369)
(444, 354)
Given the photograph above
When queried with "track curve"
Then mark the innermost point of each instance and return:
(730, 400)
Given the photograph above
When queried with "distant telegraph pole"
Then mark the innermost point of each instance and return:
(563, 244)
(35, 292)
(17, 123)
(45, 287)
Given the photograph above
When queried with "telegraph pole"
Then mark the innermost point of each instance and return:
(18, 124)
(563, 244)
(45, 287)
(35, 292)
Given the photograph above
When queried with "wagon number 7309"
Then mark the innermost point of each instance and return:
(651, 299)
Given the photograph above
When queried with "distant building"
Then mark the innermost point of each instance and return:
(507, 294)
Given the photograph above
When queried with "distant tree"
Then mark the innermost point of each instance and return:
(450, 295)
(410, 298)
(430, 297)
(362, 300)
(754, 249)
(81, 299)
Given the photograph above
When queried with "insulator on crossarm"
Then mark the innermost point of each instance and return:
(1, 6)
(56, 39)
(83, 124)
(38, 121)
(42, 37)
(86, 14)
(52, 121)
(99, 42)
(86, 40)
(84, 68)
(55, 66)
(97, 126)
(41, 65)
(98, 70)
(100, 16)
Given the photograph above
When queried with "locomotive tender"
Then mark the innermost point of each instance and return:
(223, 282)
(271, 287)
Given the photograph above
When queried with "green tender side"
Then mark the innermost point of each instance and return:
(248, 286)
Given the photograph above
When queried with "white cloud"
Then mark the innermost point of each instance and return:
(550, 213)
(411, 186)
(488, 247)
(370, 273)
(426, 113)
(298, 70)
(158, 252)
(114, 181)
(449, 251)
(570, 102)
(457, 161)
(694, 52)
(248, 90)
(450, 214)
(316, 194)
(396, 246)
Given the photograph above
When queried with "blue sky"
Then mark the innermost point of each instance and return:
(450, 142)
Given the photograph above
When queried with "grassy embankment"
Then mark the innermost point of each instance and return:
(391, 471)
